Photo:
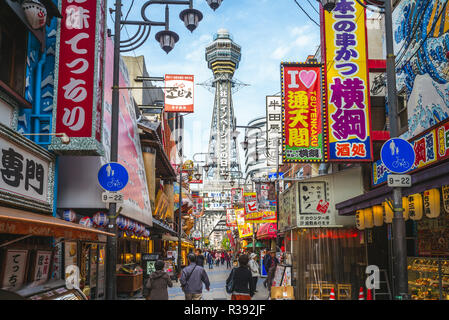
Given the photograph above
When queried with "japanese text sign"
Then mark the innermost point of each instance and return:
(302, 122)
(274, 129)
(250, 202)
(80, 54)
(41, 267)
(231, 220)
(179, 93)
(261, 217)
(348, 105)
(245, 229)
(14, 269)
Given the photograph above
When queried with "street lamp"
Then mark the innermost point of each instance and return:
(328, 5)
(214, 4)
(167, 40)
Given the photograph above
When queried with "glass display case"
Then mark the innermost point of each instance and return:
(428, 278)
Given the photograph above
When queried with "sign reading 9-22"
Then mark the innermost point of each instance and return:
(348, 108)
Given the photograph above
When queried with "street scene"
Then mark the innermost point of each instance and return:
(255, 150)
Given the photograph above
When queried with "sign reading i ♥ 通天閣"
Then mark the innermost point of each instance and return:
(348, 106)
(80, 75)
(302, 122)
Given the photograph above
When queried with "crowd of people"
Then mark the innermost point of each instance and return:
(241, 282)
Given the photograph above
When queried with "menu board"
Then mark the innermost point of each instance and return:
(433, 236)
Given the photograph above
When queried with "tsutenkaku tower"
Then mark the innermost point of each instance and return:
(223, 57)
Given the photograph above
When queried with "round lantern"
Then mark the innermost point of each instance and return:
(415, 206)
(369, 220)
(378, 215)
(100, 219)
(360, 219)
(122, 223)
(388, 212)
(146, 233)
(86, 221)
(431, 201)
(131, 226)
(405, 207)
(69, 215)
(35, 13)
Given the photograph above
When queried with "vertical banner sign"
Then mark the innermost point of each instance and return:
(301, 100)
(231, 220)
(250, 202)
(179, 95)
(80, 60)
(274, 129)
(237, 197)
(348, 105)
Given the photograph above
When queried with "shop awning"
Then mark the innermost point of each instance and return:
(267, 231)
(169, 238)
(426, 179)
(258, 245)
(14, 221)
(164, 227)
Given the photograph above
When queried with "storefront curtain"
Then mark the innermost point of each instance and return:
(328, 258)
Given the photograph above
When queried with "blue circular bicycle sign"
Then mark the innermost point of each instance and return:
(113, 176)
(398, 155)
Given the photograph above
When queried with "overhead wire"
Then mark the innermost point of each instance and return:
(307, 13)
(313, 7)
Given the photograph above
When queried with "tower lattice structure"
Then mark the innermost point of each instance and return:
(223, 57)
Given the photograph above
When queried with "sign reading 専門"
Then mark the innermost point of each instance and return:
(79, 79)
(348, 105)
(302, 122)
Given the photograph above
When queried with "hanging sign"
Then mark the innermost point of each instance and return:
(231, 220)
(250, 202)
(237, 197)
(14, 267)
(79, 79)
(274, 130)
(179, 95)
(261, 217)
(431, 202)
(302, 108)
(245, 229)
(415, 206)
(348, 100)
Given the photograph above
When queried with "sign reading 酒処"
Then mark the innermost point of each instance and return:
(302, 122)
(179, 95)
(79, 83)
(348, 106)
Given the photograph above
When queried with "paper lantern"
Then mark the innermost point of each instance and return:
(86, 221)
(405, 213)
(415, 206)
(122, 223)
(132, 226)
(69, 215)
(100, 219)
(369, 220)
(388, 212)
(432, 203)
(35, 13)
(378, 215)
(360, 220)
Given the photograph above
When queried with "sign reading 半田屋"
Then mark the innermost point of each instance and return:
(302, 121)
(348, 107)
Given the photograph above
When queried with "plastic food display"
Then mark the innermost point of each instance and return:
(424, 278)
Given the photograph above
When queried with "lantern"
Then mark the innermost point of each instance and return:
(100, 219)
(86, 221)
(378, 215)
(328, 5)
(405, 213)
(69, 215)
(35, 13)
(388, 212)
(432, 203)
(415, 205)
(167, 39)
(360, 220)
(191, 18)
(369, 220)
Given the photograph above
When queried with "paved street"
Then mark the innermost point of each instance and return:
(217, 277)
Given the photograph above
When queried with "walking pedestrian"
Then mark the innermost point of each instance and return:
(210, 260)
(254, 267)
(222, 258)
(228, 260)
(192, 279)
(157, 283)
(273, 262)
(266, 263)
(199, 258)
(242, 283)
(217, 259)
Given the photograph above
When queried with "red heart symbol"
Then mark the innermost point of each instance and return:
(307, 77)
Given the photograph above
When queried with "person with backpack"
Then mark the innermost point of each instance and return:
(157, 283)
(192, 279)
(239, 282)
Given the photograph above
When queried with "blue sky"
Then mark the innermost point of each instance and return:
(269, 31)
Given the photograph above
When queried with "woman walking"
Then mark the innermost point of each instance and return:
(242, 282)
(254, 267)
(157, 283)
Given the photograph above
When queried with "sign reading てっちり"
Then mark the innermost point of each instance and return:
(80, 55)
(302, 108)
(348, 106)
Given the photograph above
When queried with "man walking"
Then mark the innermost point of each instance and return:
(192, 278)
(199, 258)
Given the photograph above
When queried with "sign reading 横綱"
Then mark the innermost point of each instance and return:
(79, 82)
(348, 105)
(301, 100)
(179, 95)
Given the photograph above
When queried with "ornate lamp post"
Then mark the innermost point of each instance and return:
(167, 40)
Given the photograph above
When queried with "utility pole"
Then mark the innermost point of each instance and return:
(111, 282)
(399, 241)
(178, 123)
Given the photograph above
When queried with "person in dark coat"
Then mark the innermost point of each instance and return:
(158, 282)
(243, 284)
(273, 262)
(199, 258)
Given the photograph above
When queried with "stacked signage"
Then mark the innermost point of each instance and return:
(274, 130)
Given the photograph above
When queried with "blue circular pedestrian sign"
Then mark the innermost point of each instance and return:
(113, 176)
(398, 155)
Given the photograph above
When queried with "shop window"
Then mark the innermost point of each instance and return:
(13, 47)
